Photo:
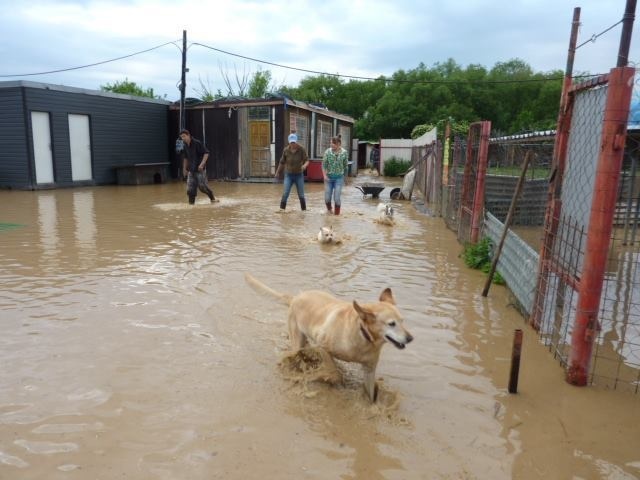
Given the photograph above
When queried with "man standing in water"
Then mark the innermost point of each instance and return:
(294, 160)
(194, 166)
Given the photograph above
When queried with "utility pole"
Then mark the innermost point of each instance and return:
(183, 78)
(183, 86)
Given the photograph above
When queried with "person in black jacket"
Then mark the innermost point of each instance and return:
(194, 166)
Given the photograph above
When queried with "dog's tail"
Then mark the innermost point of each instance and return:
(258, 286)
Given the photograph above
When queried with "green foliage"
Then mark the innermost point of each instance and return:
(478, 257)
(394, 167)
(320, 89)
(410, 102)
(129, 88)
(511, 95)
(259, 84)
(460, 128)
(420, 130)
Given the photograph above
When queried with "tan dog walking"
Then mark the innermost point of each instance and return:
(348, 331)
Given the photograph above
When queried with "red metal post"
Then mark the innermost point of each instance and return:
(600, 223)
(478, 199)
(554, 200)
(465, 209)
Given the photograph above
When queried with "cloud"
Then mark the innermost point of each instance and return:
(359, 38)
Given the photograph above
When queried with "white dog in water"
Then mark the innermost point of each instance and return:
(326, 235)
(385, 214)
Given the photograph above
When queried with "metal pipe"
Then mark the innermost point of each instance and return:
(575, 25)
(516, 351)
(625, 36)
(183, 75)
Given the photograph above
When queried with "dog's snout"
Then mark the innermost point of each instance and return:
(409, 338)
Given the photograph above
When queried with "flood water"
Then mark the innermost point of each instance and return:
(131, 347)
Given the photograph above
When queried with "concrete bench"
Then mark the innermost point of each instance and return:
(142, 173)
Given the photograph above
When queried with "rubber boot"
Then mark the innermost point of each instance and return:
(303, 204)
(283, 205)
(337, 209)
(328, 204)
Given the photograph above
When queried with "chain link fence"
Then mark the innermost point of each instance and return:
(548, 255)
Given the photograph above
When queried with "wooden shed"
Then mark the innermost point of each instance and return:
(246, 136)
(57, 136)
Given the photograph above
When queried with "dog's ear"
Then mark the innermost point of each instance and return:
(387, 296)
(365, 314)
(367, 318)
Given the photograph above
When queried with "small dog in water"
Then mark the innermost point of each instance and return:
(385, 214)
(326, 235)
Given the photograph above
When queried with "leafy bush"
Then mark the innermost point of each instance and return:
(395, 167)
(420, 130)
(478, 257)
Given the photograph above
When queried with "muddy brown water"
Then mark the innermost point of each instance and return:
(131, 347)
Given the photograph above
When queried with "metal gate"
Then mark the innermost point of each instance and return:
(579, 220)
(470, 213)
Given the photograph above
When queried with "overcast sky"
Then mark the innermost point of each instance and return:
(364, 38)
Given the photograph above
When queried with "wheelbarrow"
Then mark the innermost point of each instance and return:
(371, 188)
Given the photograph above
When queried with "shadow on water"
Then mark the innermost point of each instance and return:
(131, 346)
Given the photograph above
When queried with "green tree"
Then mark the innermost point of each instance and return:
(511, 95)
(259, 84)
(320, 89)
(130, 88)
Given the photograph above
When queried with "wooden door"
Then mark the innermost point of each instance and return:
(259, 144)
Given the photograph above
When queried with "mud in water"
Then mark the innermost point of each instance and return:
(311, 375)
(132, 347)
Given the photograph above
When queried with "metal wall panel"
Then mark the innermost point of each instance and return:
(14, 154)
(124, 131)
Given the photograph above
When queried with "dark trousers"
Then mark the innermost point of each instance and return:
(198, 181)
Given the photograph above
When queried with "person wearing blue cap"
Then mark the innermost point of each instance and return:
(294, 160)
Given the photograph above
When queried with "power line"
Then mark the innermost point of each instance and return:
(383, 78)
(89, 65)
(594, 37)
(316, 72)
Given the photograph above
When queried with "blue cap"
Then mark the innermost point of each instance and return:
(293, 138)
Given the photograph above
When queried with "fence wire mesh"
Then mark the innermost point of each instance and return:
(453, 186)
(615, 358)
(617, 349)
(566, 226)
(505, 161)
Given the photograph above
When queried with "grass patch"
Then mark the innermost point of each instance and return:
(478, 257)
